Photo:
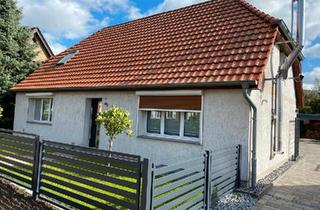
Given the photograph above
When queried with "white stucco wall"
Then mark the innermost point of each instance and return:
(263, 101)
(225, 123)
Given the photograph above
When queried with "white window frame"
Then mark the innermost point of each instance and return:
(42, 98)
(163, 136)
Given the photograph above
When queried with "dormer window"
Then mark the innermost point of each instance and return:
(66, 58)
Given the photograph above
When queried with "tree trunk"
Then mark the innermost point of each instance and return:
(110, 141)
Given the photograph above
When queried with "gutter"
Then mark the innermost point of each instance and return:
(245, 91)
(204, 85)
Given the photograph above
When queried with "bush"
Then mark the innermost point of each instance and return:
(116, 121)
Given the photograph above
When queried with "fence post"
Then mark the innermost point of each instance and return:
(207, 190)
(145, 192)
(297, 139)
(36, 168)
(238, 166)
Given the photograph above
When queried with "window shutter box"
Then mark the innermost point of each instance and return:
(171, 102)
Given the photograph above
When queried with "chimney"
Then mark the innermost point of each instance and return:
(298, 21)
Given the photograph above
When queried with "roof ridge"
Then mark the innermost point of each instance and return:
(157, 14)
(266, 17)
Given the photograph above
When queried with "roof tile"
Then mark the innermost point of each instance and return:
(215, 41)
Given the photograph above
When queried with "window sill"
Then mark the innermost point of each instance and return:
(168, 139)
(39, 122)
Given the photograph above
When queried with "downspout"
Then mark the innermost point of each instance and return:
(245, 91)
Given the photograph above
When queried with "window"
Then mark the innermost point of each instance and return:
(40, 109)
(153, 122)
(171, 117)
(66, 58)
(173, 124)
(191, 124)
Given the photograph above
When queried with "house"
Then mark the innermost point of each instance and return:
(204, 77)
(42, 48)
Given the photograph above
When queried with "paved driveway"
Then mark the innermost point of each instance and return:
(299, 187)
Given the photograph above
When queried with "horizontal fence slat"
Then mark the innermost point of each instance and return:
(226, 163)
(16, 163)
(27, 159)
(217, 153)
(227, 182)
(94, 150)
(165, 169)
(29, 135)
(15, 169)
(17, 144)
(226, 190)
(192, 202)
(179, 192)
(16, 177)
(222, 159)
(219, 168)
(14, 149)
(218, 180)
(81, 180)
(179, 175)
(106, 158)
(23, 140)
(171, 186)
(99, 186)
(88, 173)
(74, 195)
(176, 202)
(197, 207)
(58, 200)
(217, 173)
(92, 165)
(88, 191)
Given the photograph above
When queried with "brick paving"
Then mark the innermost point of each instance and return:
(299, 187)
(13, 198)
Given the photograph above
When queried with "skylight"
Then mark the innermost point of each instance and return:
(66, 58)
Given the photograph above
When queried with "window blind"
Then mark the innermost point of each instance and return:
(171, 102)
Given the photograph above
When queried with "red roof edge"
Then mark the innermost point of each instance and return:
(260, 82)
(298, 84)
(259, 13)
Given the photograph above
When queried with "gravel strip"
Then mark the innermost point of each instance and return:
(245, 199)
(16, 198)
(236, 201)
(262, 183)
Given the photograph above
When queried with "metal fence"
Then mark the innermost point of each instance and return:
(89, 178)
(181, 185)
(225, 172)
(17, 159)
(84, 178)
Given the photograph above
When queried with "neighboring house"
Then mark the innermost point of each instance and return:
(42, 48)
(188, 77)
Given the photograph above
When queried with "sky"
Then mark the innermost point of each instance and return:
(66, 22)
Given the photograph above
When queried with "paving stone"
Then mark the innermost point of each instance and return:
(299, 187)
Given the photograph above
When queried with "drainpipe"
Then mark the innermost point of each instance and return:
(245, 91)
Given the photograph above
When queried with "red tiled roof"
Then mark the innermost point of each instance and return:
(216, 41)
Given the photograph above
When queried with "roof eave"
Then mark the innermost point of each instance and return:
(212, 85)
(287, 35)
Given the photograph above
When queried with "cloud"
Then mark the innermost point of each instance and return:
(310, 77)
(282, 9)
(313, 51)
(165, 6)
(60, 18)
(54, 43)
(69, 19)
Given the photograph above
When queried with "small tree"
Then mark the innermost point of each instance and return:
(116, 121)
